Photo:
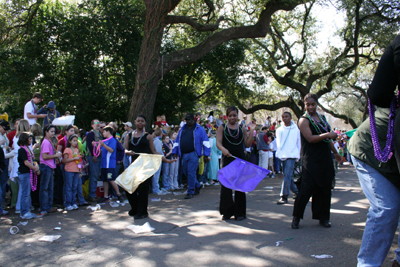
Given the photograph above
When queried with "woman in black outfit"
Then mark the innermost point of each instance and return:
(140, 142)
(317, 164)
(231, 140)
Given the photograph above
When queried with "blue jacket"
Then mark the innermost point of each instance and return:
(201, 143)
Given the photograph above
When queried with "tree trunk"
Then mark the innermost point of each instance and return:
(149, 65)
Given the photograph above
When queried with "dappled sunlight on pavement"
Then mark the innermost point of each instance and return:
(191, 233)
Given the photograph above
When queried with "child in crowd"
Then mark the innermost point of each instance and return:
(158, 122)
(167, 150)
(71, 159)
(27, 171)
(108, 163)
(48, 158)
(163, 121)
(174, 167)
(214, 163)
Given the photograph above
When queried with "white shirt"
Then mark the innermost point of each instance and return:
(272, 146)
(211, 118)
(182, 123)
(29, 108)
(288, 142)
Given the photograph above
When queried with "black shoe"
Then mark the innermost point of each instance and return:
(226, 217)
(325, 223)
(240, 218)
(188, 196)
(132, 213)
(197, 191)
(283, 200)
(84, 204)
(138, 217)
(295, 223)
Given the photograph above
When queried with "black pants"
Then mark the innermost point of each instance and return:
(139, 200)
(228, 206)
(321, 199)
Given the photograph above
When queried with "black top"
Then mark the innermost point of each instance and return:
(187, 139)
(166, 150)
(234, 146)
(22, 156)
(387, 76)
(2, 164)
(316, 159)
(142, 147)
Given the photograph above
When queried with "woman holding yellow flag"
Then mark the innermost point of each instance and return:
(140, 142)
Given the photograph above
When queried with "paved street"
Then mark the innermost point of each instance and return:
(191, 233)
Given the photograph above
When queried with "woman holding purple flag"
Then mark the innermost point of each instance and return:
(232, 140)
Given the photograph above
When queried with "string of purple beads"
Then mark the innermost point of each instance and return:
(386, 154)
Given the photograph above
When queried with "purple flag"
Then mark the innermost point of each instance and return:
(241, 175)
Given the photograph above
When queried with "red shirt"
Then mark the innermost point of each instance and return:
(158, 123)
(10, 137)
(61, 143)
(59, 137)
(273, 127)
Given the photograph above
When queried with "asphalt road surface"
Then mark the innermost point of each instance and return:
(191, 233)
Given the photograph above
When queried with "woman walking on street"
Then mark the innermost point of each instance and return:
(317, 164)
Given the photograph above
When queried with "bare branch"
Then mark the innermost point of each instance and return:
(259, 29)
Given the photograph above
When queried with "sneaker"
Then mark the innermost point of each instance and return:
(4, 212)
(283, 200)
(69, 208)
(28, 215)
(294, 195)
(43, 213)
(120, 198)
(181, 186)
(75, 207)
(17, 211)
(216, 183)
(272, 176)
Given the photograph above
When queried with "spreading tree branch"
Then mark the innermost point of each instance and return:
(197, 26)
(340, 116)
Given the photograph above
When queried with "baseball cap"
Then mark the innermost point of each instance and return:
(5, 125)
(129, 124)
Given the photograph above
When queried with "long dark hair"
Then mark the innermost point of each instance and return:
(70, 139)
(47, 129)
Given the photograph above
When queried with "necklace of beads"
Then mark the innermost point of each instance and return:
(234, 134)
(227, 134)
(326, 128)
(387, 153)
(133, 136)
